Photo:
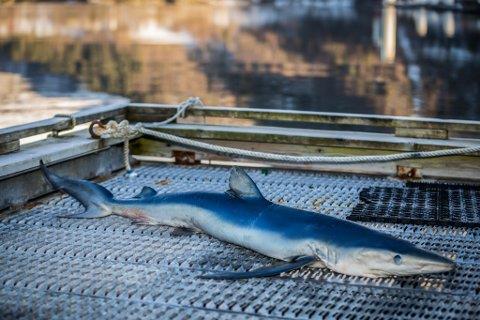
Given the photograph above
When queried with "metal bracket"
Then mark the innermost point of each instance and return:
(404, 172)
(93, 131)
(185, 157)
(73, 123)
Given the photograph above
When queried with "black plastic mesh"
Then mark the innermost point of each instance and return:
(420, 203)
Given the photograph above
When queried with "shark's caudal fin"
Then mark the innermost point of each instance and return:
(242, 186)
(95, 198)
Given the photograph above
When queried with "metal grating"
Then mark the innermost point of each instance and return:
(424, 203)
(53, 268)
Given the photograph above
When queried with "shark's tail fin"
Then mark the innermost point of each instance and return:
(96, 199)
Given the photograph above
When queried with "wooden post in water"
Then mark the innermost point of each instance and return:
(389, 34)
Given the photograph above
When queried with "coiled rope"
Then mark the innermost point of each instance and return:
(126, 131)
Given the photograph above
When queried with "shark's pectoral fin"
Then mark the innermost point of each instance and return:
(90, 213)
(269, 271)
(181, 231)
(146, 192)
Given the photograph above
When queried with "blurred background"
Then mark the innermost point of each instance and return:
(340, 56)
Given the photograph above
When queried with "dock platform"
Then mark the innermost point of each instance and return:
(54, 268)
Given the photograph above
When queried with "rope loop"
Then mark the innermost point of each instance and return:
(181, 112)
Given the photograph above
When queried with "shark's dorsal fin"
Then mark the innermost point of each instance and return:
(146, 192)
(242, 186)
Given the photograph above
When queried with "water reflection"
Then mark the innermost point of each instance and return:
(329, 55)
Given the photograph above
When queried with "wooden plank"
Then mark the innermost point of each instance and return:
(421, 133)
(10, 146)
(351, 139)
(18, 189)
(137, 114)
(116, 108)
(30, 129)
(51, 150)
(145, 112)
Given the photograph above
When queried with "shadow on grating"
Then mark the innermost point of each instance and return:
(438, 204)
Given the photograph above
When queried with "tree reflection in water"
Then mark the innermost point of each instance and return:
(337, 56)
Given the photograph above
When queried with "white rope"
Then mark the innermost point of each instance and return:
(126, 154)
(181, 109)
(126, 131)
(302, 159)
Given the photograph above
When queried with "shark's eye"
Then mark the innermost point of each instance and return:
(397, 259)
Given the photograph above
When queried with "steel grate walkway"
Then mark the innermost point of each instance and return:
(53, 268)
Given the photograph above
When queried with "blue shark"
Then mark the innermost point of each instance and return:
(242, 216)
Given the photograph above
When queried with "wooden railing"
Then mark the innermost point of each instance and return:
(429, 128)
(403, 126)
(79, 155)
(10, 137)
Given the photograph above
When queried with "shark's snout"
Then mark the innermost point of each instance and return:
(429, 262)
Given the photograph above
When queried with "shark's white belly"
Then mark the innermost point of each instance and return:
(266, 242)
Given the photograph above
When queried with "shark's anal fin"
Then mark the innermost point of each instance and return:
(181, 232)
(242, 186)
(269, 271)
(90, 213)
(146, 192)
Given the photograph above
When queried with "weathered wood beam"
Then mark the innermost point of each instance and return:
(9, 146)
(421, 133)
(74, 154)
(154, 112)
(51, 150)
(331, 138)
(115, 109)
(18, 189)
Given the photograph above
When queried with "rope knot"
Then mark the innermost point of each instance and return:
(126, 131)
(123, 130)
(185, 105)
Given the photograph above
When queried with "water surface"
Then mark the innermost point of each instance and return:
(325, 56)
